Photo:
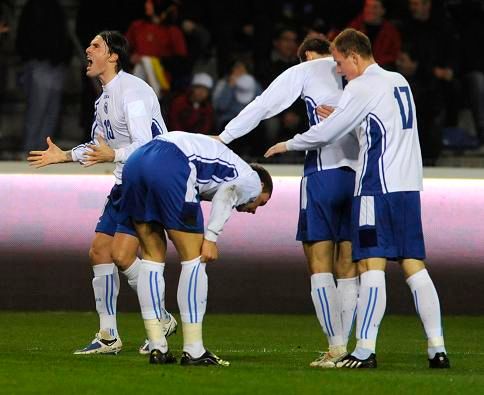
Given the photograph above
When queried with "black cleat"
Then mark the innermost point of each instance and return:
(439, 361)
(159, 358)
(351, 362)
(206, 359)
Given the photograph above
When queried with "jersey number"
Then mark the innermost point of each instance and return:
(407, 119)
(109, 130)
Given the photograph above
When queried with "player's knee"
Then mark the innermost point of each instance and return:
(98, 256)
(123, 259)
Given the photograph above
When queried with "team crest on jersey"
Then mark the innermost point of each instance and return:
(106, 107)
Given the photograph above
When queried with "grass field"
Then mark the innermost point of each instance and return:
(269, 355)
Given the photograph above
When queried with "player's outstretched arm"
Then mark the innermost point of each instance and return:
(209, 251)
(99, 153)
(279, 148)
(53, 154)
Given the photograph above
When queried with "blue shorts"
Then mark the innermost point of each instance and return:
(156, 188)
(387, 226)
(110, 219)
(325, 205)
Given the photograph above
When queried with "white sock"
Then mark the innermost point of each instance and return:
(106, 289)
(151, 296)
(132, 273)
(348, 295)
(192, 302)
(428, 308)
(370, 310)
(326, 303)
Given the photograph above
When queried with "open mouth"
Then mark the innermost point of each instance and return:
(89, 62)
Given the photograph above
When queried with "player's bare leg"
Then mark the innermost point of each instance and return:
(320, 257)
(192, 298)
(427, 306)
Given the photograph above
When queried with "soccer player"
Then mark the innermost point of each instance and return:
(326, 190)
(386, 220)
(127, 115)
(164, 182)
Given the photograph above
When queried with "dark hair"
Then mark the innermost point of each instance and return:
(351, 40)
(117, 44)
(264, 176)
(314, 44)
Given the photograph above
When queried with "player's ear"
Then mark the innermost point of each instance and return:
(113, 58)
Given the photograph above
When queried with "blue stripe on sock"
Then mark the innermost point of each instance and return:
(324, 312)
(372, 311)
(153, 295)
(366, 314)
(189, 293)
(328, 311)
(195, 293)
(162, 309)
(415, 298)
(112, 292)
(106, 296)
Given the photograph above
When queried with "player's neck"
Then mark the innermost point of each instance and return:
(107, 76)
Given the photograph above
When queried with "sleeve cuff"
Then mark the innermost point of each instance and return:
(290, 145)
(210, 236)
(226, 137)
(118, 155)
(74, 156)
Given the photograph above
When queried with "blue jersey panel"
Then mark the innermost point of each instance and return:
(216, 170)
(387, 226)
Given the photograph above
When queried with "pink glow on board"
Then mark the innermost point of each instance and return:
(59, 212)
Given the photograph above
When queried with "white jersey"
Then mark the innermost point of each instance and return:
(127, 115)
(380, 104)
(316, 82)
(218, 175)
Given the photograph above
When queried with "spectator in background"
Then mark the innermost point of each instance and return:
(233, 92)
(192, 111)
(473, 63)
(384, 37)
(5, 12)
(429, 60)
(153, 39)
(282, 57)
(45, 49)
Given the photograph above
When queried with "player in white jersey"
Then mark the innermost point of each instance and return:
(164, 182)
(386, 218)
(127, 115)
(326, 190)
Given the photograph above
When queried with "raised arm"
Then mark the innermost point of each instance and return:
(349, 113)
(280, 94)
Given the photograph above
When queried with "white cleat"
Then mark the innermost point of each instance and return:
(103, 343)
(169, 328)
(329, 359)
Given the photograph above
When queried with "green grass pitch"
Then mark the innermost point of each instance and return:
(269, 355)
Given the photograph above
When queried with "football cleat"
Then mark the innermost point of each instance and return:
(160, 358)
(439, 361)
(207, 359)
(328, 359)
(103, 343)
(169, 328)
(351, 362)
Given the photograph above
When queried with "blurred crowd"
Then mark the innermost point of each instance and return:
(207, 59)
